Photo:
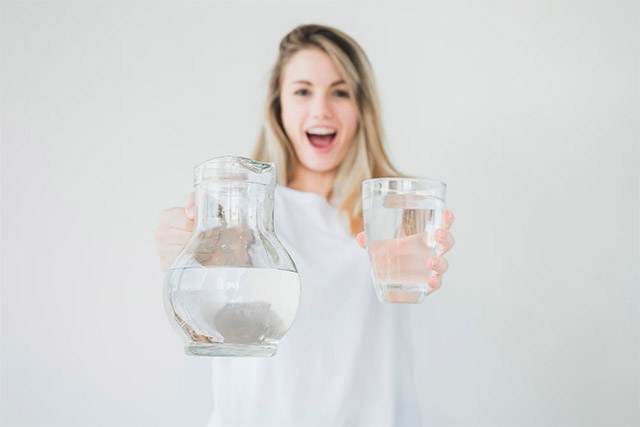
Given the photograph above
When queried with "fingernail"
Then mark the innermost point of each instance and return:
(434, 262)
(450, 216)
(442, 235)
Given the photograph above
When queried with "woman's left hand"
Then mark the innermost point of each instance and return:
(438, 264)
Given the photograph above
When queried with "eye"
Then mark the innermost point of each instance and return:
(342, 93)
(298, 92)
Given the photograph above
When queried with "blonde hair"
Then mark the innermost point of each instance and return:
(366, 157)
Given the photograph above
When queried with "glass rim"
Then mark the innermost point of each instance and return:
(216, 162)
(430, 187)
(391, 178)
(223, 168)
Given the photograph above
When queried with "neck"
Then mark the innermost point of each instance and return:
(312, 182)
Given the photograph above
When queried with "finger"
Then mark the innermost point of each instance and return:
(191, 200)
(395, 250)
(362, 240)
(190, 206)
(435, 282)
(190, 212)
(448, 219)
(173, 236)
(439, 265)
(175, 218)
(445, 239)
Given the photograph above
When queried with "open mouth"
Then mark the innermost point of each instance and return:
(322, 142)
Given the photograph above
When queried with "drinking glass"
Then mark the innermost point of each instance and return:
(401, 216)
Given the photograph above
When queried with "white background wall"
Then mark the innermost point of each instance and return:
(528, 110)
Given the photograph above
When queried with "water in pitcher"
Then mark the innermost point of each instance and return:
(233, 305)
(400, 240)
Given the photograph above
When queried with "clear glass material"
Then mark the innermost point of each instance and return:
(401, 216)
(233, 290)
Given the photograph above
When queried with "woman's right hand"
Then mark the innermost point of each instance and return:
(174, 230)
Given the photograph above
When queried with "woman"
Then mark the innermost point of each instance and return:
(347, 358)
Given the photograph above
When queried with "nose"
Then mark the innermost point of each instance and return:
(321, 108)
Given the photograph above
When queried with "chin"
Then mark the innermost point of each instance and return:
(320, 167)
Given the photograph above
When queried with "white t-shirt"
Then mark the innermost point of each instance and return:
(346, 361)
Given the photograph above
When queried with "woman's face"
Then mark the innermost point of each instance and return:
(318, 111)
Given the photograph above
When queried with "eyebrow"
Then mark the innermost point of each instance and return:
(309, 83)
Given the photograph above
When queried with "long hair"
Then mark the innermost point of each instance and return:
(366, 157)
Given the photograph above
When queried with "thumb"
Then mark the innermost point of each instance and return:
(362, 240)
(189, 207)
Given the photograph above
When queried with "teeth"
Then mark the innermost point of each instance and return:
(321, 131)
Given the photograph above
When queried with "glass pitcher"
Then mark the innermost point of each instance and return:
(233, 290)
